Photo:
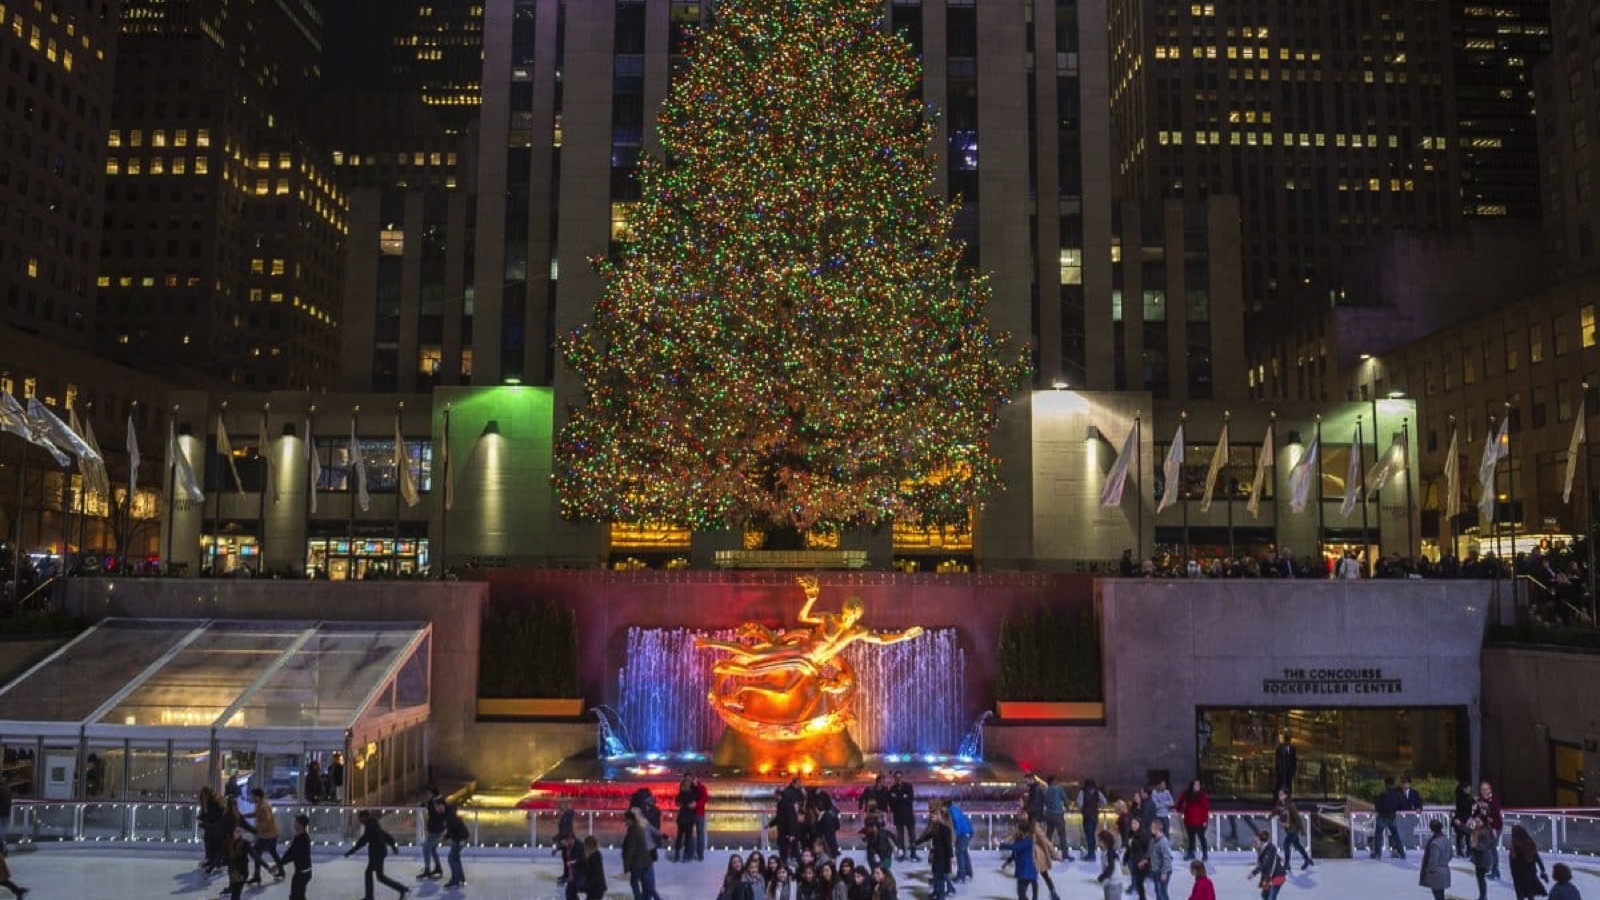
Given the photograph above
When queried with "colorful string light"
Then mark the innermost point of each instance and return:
(788, 338)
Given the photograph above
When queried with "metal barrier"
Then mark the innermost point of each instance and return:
(1566, 831)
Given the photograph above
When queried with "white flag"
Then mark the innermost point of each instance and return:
(183, 480)
(1259, 482)
(1494, 450)
(1219, 458)
(50, 433)
(1352, 474)
(1393, 463)
(1111, 493)
(402, 466)
(225, 450)
(1172, 468)
(1305, 473)
(449, 473)
(133, 461)
(96, 478)
(313, 467)
(264, 447)
(1579, 438)
(13, 418)
(1452, 478)
(358, 469)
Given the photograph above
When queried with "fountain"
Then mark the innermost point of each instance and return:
(613, 733)
(972, 743)
(911, 700)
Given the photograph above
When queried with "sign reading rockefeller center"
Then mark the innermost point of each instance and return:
(1331, 681)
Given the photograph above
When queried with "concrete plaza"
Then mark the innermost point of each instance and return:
(90, 872)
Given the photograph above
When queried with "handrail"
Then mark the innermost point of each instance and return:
(1580, 615)
(36, 589)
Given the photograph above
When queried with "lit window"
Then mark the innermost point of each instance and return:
(278, 267)
(135, 166)
(202, 137)
(285, 161)
(179, 165)
(392, 242)
(113, 166)
(1586, 325)
(114, 139)
(1072, 265)
(33, 267)
(158, 138)
(158, 166)
(180, 138)
(258, 267)
(201, 167)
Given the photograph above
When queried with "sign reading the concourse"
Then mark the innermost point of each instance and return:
(1292, 682)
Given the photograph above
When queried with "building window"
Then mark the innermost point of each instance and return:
(1072, 265)
(1155, 306)
(1586, 325)
(392, 242)
(1536, 343)
(1513, 351)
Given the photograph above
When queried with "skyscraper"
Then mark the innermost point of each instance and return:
(1497, 45)
(52, 153)
(437, 51)
(224, 226)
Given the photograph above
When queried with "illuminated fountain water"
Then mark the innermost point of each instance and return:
(912, 697)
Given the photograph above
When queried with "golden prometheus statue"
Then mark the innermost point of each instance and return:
(787, 694)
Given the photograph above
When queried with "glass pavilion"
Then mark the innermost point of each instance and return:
(152, 709)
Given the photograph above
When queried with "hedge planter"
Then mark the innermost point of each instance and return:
(1046, 711)
(529, 708)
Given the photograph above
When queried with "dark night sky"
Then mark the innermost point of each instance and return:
(356, 47)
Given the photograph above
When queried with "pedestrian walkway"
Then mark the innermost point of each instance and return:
(88, 872)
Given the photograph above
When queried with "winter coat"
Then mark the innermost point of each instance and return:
(1138, 851)
(266, 823)
(1022, 856)
(941, 846)
(594, 875)
(1485, 853)
(1286, 813)
(961, 821)
(1567, 891)
(1161, 856)
(1525, 874)
(1269, 865)
(1043, 852)
(638, 847)
(1203, 890)
(1436, 854)
(1195, 806)
(902, 800)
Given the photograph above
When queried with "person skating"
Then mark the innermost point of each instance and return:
(701, 796)
(1527, 869)
(213, 834)
(1161, 801)
(5, 876)
(1136, 856)
(1203, 888)
(238, 856)
(299, 856)
(877, 794)
(457, 833)
(1269, 872)
(1564, 889)
(827, 829)
(571, 851)
(1435, 874)
(880, 845)
(1387, 808)
(1090, 799)
(334, 782)
(266, 840)
(1194, 805)
(941, 841)
(1044, 853)
(1055, 814)
(379, 844)
(594, 870)
(787, 823)
(1485, 856)
(1019, 853)
(639, 847)
(1487, 809)
(961, 824)
(1107, 842)
(1463, 815)
(1293, 830)
(1160, 859)
(433, 828)
(902, 803)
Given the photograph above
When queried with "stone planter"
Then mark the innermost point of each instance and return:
(529, 708)
(1049, 711)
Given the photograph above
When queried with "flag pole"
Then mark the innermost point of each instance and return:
(66, 509)
(127, 507)
(1588, 501)
(216, 504)
(83, 510)
(1454, 490)
(261, 505)
(172, 486)
(311, 491)
(404, 460)
(1183, 417)
(1322, 554)
(1511, 492)
(1138, 465)
(1228, 479)
(16, 544)
(444, 498)
(1360, 449)
(350, 481)
(1411, 524)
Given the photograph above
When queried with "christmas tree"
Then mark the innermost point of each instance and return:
(788, 339)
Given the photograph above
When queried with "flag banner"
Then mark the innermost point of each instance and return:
(1306, 472)
(1111, 493)
(449, 473)
(184, 484)
(358, 470)
(96, 478)
(53, 434)
(1452, 478)
(313, 467)
(1392, 464)
(1352, 474)
(1494, 450)
(1259, 482)
(1172, 469)
(264, 447)
(225, 450)
(1579, 438)
(13, 418)
(133, 460)
(402, 466)
(1219, 458)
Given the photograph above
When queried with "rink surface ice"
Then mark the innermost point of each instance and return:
(101, 872)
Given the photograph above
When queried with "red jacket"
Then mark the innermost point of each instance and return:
(1196, 808)
(700, 796)
(1203, 890)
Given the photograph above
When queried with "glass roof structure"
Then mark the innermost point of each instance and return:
(193, 680)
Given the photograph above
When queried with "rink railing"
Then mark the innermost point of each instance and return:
(1564, 831)
(727, 829)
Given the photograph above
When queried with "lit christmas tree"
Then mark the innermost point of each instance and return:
(788, 339)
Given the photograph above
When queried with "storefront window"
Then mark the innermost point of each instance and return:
(1340, 752)
(344, 559)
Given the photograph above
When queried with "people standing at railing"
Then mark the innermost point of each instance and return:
(1288, 817)
(961, 827)
(1055, 813)
(1270, 872)
(1527, 868)
(1387, 809)
(299, 856)
(334, 783)
(1089, 802)
(1486, 809)
(786, 824)
(701, 796)
(1161, 800)
(1435, 874)
(378, 844)
(1194, 804)
(1564, 889)
(1463, 815)
(902, 803)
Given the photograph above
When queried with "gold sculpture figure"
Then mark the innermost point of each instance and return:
(789, 693)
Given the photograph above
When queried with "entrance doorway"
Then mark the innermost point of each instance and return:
(1566, 774)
